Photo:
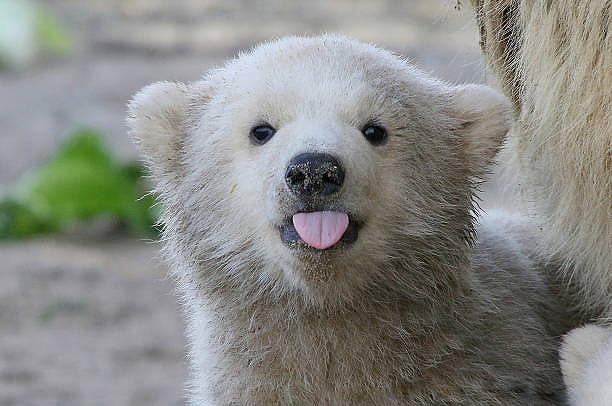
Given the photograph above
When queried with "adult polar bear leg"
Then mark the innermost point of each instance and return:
(553, 59)
(586, 362)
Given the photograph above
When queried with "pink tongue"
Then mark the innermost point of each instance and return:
(321, 229)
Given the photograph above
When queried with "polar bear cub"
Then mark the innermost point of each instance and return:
(319, 218)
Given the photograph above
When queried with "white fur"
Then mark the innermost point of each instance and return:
(586, 361)
(422, 308)
(553, 59)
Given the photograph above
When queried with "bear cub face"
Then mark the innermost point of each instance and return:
(332, 157)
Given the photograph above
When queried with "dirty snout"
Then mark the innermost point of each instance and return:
(319, 220)
(311, 175)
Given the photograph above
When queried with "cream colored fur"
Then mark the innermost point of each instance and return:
(586, 361)
(554, 59)
(424, 308)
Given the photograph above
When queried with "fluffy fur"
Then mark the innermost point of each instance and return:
(553, 59)
(586, 360)
(423, 309)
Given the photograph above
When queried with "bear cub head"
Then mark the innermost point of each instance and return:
(317, 165)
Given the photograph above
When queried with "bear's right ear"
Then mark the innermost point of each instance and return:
(484, 118)
(157, 120)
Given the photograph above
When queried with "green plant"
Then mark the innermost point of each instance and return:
(80, 182)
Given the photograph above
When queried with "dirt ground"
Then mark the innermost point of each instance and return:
(90, 319)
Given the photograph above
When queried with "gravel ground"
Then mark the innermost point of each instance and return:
(88, 323)
(92, 320)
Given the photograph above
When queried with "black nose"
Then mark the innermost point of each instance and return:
(311, 174)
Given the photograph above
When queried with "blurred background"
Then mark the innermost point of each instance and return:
(87, 315)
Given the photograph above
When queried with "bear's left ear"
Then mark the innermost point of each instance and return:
(484, 117)
(157, 120)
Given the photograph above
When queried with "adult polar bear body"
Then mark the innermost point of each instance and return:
(554, 59)
(411, 305)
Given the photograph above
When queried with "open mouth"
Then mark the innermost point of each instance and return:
(319, 230)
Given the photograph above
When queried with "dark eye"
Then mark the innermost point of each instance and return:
(375, 134)
(262, 133)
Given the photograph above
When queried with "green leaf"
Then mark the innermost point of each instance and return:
(81, 181)
(18, 221)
